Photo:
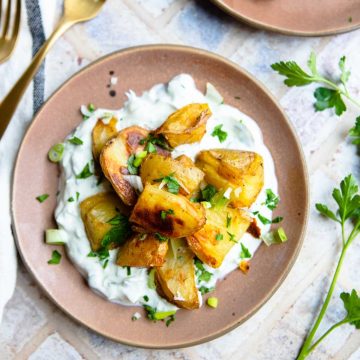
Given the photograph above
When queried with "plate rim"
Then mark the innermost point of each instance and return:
(278, 29)
(286, 270)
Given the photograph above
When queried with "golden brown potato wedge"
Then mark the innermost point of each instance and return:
(156, 166)
(186, 125)
(101, 134)
(114, 161)
(159, 211)
(96, 211)
(223, 228)
(142, 250)
(176, 278)
(242, 171)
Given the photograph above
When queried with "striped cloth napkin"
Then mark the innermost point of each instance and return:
(38, 18)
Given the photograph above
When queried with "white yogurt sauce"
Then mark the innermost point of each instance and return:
(150, 110)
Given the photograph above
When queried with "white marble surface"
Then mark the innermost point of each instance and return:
(33, 328)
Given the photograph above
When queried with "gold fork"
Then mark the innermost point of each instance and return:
(8, 38)
(75, 11)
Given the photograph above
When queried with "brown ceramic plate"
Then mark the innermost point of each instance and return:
(140, 68)
(296, 17)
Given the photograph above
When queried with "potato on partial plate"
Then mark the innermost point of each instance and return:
(186, 125)
(176, 278)
(142, 250)
(101, 134)
(242, 171)
(171, 215)
(224, 227)
(96, 211)
(183, 169)
(114, 161)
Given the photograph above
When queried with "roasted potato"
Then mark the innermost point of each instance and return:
(101, 134)
(242, 171)
(114, 161)
(96, 211)
(159, 211)
(186, 125)
(184, 170)
(176, 278)
(222, 229)
(142, 250)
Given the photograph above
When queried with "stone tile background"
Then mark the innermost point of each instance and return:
(33, 328)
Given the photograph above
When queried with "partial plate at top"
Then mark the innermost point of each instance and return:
(296, 17)
(139, 69)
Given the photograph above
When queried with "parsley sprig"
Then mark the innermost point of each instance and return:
(170, 181)
(330, 96)
(348, 202)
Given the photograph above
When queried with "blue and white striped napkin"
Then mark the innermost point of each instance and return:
(38, 18)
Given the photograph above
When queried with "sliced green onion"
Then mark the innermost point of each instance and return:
(56, 153)
(213, 302)
(151, 279)
(277, 236)
(55, 237)
(139, 157)
(163, 314)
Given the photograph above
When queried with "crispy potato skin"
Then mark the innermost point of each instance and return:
(101, 134)
(142, 253)
(155, 166)
(176, 278)
(96, 211)
(186, 125)
(204, 243)
(242, 171)
(114, 158)
(188, 217)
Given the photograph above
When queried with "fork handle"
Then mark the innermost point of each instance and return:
(12, 99)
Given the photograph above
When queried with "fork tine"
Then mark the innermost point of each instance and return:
(7, 19)
(17, 20)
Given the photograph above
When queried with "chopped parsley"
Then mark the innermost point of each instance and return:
(272, 200)
(208, 192)
(228, 220)
(146, 298)
(204, 290)
(71, 199)
(133, 170)
(267, 221)
(165, 213)
(75, 141)
(222, 135)
(245, 253)
(42, 198)
(55, 258)
(219, 237)
(231, 237)
(85, 173)
(170, 320)
(128, 270)
(105, 264)
(160, 237)
(152, 140)
(201, 273)
(172, 184)
(355, 132)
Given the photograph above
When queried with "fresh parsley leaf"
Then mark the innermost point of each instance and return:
(345, 74)
(146, 298)
(295, 75)
(222, 135)
(160, 237)
(347, 197)
(231, 237)
(128, 270)
(133, 170)
(201, 273)
(352, 306)
(150, 312)
(155, 140)
(267, 221)
(324, 210)
(105, 264)
(355, 132)
(55, 258)
(172, 184)
(219, 237)
(272, 200)
(75, 141)
(208, 192)
(71, 199)
(91, 254)
(85, 173)
(170, 320)
(165, 213)
(327, 99)
(120, 231)
(245, 253)
(42, 198)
